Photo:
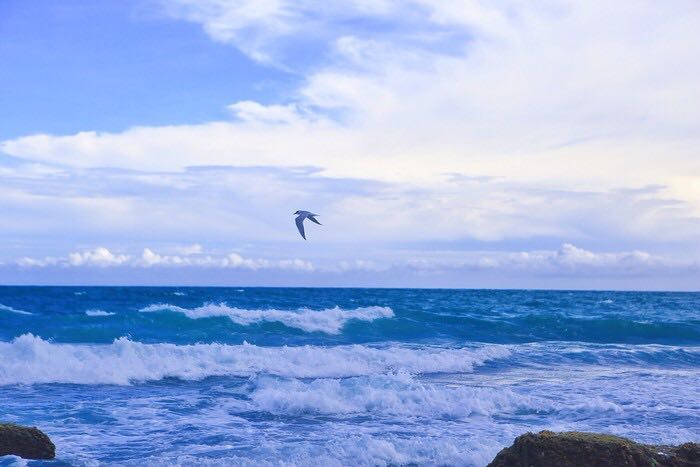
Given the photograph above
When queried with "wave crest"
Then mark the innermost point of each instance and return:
(14, 310)
(98, 313)
(330, 320)
(28, 359)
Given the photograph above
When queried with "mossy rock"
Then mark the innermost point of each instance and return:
(575, 449)
(25, 442)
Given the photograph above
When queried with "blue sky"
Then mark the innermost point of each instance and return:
(458, 144)
(111, 65)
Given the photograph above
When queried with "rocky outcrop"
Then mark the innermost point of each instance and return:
(574, 449)
(22, 441)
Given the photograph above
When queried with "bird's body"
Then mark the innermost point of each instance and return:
(301, 215)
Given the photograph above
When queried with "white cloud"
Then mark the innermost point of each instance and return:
(250, 24)
(235, 260)
(571, 258)
(150, 258)
(568, 260)
(187, 250)
(27, 262)
(252, 206)
(295, 265)
(262, 29)
(250, 111)
(526, 91)
(100, 257)
(231, 260)
(361, 265)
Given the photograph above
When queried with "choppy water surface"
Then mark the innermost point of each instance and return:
(258, 376)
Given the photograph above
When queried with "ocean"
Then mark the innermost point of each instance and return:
(302, 376)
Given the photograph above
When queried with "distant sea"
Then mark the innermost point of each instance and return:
(274, 376)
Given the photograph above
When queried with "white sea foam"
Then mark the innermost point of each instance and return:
(14, 461)
(580, 354)
(179, 294)
(343, 449)
(330, 320)
(405, 395)
(98, 313)
(14, 310)
(29, 359)
(391, 394)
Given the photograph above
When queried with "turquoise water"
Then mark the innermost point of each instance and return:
(262, 376)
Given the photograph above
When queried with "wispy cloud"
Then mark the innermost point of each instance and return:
(229, 206)
(515, 98)
(568, 259)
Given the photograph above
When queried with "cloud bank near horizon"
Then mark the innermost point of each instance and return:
(566, 259)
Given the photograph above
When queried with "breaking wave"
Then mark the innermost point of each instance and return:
(330, 320)
(28, 359)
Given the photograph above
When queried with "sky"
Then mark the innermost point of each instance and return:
(466, 143)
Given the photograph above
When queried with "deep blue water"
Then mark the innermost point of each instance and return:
(263, 376)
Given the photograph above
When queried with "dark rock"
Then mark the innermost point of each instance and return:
(22, 441)
(574, 449)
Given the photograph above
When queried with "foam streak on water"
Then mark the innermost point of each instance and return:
(13, 310)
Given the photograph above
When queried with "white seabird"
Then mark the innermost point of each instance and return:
(301, 215)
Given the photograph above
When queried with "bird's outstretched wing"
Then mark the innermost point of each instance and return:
(313, 219)
(300, 225)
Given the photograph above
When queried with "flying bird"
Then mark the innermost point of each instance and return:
(301, 215)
